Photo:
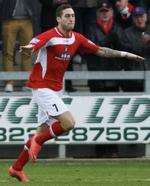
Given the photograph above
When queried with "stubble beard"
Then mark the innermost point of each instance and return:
(68, 28)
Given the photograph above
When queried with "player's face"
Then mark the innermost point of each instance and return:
(67, 19)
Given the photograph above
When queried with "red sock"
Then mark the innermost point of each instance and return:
(54, 130)
(39, 138)
(23, 157)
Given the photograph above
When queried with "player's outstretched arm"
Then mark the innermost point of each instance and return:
(110, 53)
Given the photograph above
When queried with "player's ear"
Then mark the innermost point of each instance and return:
(58, 19)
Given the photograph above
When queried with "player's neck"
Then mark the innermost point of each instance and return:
(64, 33)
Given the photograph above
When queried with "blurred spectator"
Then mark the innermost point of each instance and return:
(146, 4)
(136, 2)
(47, 15)
(85, 12)
(124, 10)
(48, 8)
(18, 18)
(106, 33)
(137, 40)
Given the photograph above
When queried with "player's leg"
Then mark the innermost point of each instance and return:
(66, 120)
(16, 170)
(54, 127)
(23, 157)
(55, 117)
(47, 131)
(50, 127)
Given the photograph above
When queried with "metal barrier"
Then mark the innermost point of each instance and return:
(84, 75)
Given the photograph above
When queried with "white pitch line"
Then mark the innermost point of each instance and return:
(4, 181)
(104, 180)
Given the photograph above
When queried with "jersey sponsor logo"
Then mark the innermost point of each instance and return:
(64, 56)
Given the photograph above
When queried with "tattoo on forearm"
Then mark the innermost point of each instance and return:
(107, 52)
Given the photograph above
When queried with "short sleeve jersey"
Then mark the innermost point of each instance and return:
(54, 53)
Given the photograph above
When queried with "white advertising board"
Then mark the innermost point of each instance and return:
(99, 119)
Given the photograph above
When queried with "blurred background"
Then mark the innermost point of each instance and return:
(109, 97)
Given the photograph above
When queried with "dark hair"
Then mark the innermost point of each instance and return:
(61, 8)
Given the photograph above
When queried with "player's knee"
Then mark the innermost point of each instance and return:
(72, 124)
(69, 124)
(67, 121)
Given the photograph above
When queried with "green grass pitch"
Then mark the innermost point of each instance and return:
(82, 173)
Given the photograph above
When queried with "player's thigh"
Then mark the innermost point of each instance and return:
(49, 103)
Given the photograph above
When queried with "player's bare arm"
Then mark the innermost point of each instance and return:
(110, 53)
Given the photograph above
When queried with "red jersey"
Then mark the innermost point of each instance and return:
(54, 54)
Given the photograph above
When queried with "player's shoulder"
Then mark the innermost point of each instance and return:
(49, 33)
(78, 35)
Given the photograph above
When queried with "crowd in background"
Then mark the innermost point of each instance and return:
(118, 24)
